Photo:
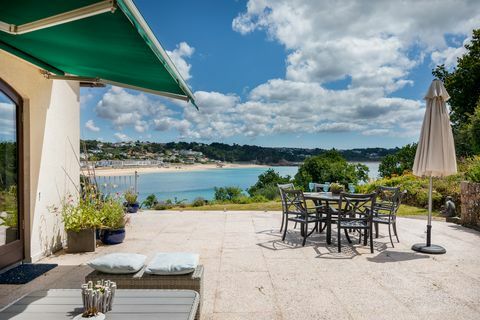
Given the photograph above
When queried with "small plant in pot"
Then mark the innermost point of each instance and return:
(131, 202)
(114, 220)
(336, 188)
(80, 220)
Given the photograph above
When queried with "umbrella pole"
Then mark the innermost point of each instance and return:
(429, 223)
(429, 247)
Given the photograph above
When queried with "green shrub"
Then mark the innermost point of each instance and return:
(150, 201)
(266, 184)
(330, 166)
(472, 173)
(163, 205)
(417, 189)
(399, 162)
(198, 202)
(259, 198)
(227, 193)
(269, 192)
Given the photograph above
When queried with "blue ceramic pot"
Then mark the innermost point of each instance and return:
(110, 236)
(132, 208)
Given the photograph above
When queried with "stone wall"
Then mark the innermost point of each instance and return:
(470, 199)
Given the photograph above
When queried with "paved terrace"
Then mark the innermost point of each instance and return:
(252, 274)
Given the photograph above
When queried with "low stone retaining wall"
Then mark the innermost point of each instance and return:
(470, 199)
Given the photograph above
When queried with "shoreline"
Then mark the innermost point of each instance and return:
(108, 171)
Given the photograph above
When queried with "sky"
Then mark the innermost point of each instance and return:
(289, 73)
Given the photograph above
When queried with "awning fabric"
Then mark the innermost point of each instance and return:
(117, 46)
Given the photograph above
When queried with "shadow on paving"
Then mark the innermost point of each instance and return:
(395, 256)
(318, 242)
(466, 229)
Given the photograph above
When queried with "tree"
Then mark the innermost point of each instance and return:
(330, 166)
(463, 85)
(399, 162)
(266, 179)
(227, 193)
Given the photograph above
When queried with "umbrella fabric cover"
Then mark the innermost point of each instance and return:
(436, 150)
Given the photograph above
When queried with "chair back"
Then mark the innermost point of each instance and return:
(318, 187)
(281, 188)
(389, 199)
(356, 204)
(295, 202)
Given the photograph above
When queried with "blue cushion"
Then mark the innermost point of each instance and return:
(118, 263)
(172, 263)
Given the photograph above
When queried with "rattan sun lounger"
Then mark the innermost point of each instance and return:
(142, 280)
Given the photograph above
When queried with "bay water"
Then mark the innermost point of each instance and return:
(188, 185)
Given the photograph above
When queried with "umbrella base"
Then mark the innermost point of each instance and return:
(431, 249)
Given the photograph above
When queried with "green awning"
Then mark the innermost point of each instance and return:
(92, 41)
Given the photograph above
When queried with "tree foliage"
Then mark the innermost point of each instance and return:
(330, 166)
(267, 184)
(399, 162)
(227, 193)
(463, 85)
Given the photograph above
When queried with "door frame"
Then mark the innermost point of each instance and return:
(14, 252)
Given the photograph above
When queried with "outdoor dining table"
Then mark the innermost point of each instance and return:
(329, 198)
(61, 304)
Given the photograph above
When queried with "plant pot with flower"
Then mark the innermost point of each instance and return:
(80, 220)
(114, 220)
(131, 203)
(336, 188)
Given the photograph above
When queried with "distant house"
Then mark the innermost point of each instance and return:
(48, 50)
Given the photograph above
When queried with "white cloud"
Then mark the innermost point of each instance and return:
(7, 121)
(371, 45)
(178, 56)
(125, 109)
(449, 55)
(122, 137)
(90, 125)
(85, 98)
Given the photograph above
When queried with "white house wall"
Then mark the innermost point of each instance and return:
(51, 147)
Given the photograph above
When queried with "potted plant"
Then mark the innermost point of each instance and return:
(131, 202)
(336, 188)
(80, 220)
(114, 220)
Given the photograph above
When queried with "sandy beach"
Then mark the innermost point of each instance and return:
(172, 168)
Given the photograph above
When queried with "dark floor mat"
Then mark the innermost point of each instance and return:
(25, 273)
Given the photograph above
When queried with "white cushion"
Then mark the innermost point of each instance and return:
(118, 263)
(172, 263)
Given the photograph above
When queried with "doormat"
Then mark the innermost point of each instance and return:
(25, 273)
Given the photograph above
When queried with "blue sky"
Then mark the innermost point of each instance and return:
(289, 73)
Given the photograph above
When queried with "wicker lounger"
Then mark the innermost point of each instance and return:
(141, 280)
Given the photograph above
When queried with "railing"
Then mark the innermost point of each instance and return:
(114, 184)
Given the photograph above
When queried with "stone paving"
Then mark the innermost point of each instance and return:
(252, 274)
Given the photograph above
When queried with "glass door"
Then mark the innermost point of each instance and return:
(11, 233)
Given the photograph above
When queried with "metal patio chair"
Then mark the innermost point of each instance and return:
(385, 209)
(296, 210)
(356, 213)
(281, 187)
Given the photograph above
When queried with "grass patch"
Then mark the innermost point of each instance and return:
(405, 210)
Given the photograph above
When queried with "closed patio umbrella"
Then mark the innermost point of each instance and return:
(435, 155)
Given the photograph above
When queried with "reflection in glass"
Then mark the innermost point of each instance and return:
(8, 171)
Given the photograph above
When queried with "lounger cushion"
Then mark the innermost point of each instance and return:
(172, 263)
(118, 263)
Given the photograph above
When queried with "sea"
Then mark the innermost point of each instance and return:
(188, 185)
